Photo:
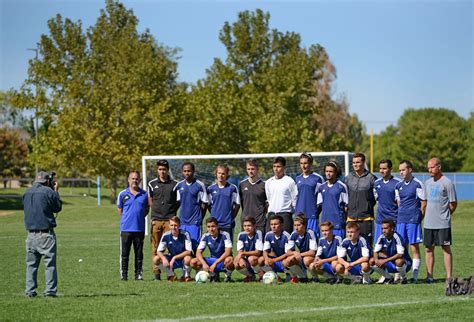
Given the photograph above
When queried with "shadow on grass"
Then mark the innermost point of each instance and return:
(15, 202)
(105, 295)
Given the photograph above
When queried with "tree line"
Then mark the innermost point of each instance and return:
(108, 94)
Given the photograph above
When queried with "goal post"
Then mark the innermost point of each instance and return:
(206, 164)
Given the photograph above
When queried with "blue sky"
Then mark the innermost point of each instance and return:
(389, 55)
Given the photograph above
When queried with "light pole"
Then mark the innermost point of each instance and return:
(36, 118)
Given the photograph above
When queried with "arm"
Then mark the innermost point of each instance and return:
(361, 260)
(423, 208)
(227, 253)
(236, 210)
(202, 260)
(452, 207)
(326, 260)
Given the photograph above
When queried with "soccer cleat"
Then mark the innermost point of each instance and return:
(381, 280)
(51, 295)
(249, 279)
(356, 280)
(366, 282)
(157, 277)
(228, 279)
(338, 280)
(172, 278)
(187, 279)
(215, 278)
(331, 280)
(414, 281)
(397, 277)
(430, 280)
(124, 278)
(31, 295)
(401, 281)
(315, 280)
(139, 277)
(389, 280)
(294, 280)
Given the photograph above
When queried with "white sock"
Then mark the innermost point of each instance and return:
(402, 270)
(267, 268)
(186, 270)
(244, 271)
(297, 271)
(256, 268)
(228, 273)
(381, 271)
(416, 268)
(365, 277)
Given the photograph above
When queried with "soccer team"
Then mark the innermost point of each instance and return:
(280, 226)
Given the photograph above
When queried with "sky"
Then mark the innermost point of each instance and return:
(389, 55)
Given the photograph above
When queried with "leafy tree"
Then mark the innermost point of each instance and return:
(469, 162)
(13, 152)
(105, 96)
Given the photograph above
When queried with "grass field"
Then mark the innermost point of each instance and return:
(92, 290)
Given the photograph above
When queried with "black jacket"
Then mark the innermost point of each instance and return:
(361, 195)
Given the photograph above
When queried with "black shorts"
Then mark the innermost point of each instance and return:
(437, 237)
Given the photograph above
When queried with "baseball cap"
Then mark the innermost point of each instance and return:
(42, 177)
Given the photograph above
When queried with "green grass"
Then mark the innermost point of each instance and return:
(92, 290)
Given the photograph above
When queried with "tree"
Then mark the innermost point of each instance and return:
(101, 95)
(13, 152)
(270, 94)
(469, 161)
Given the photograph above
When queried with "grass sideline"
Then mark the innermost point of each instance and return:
(92, 290)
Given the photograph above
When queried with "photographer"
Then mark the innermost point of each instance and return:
(40, 203)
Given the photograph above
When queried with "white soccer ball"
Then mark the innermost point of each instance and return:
(270, 278)
(202, 277)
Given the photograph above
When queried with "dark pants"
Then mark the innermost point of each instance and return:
(287, 221)
(366, 230)
(230, 231)
(127, 239)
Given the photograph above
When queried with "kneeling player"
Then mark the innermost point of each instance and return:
(326, 255)
(179, 247)
(353, 256)
(298, 261)
(390, 256)
(274, 247)
(220, 247)
(249, 248)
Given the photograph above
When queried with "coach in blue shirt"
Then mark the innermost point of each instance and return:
(40, 203)
(132, 204)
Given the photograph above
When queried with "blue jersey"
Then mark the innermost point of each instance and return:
(216, 245)
(307, 191)
(333, 199)
(409, 194)
(328, 249)
(175, 245)
(191, 196)
(304, 243)
(222, 200)
(133, 210)
(248, 244)
(384, 192)
(276, 244)
(354, 251)
(391, 247)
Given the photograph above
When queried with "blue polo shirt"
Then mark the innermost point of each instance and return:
(133, 210)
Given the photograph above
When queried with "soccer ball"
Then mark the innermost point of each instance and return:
(269, 278)
(202, 277)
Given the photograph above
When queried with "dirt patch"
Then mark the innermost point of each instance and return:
(6, 213)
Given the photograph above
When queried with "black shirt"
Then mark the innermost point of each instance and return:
(164, 204)
(253, 200)
(40, 203)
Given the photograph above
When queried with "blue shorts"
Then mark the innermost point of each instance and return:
(179, 263)
(339, 232)
(219, 267)
(392, 268)
(278, 266)
(356, 270)
(378, 232)
(327, 267)
(410, 233)
(313, 224)
(194, 232)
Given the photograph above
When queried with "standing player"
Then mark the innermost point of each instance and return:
(332, 198)
(358, 250)
(298, 261)
(390, 255)
(220, 247)
(253, 198)
(360, 185)
(164, 205)
(326, 254)
(249, 248)
(224, 200)
(281, 194)
(307, 184)
(441, 204)
(274, 247)
(179, 247)
(410, 196)
(192, 196)
(384, 192)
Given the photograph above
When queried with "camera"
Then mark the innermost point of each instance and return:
(51, 180)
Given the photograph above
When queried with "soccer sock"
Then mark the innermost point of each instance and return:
(228, 273)
(256, 268)
(402, 270)
(266, 268)
(187, 270)
(327, 275)
(381, 271)
(416, 267)
(365, 277)
(244, 271)
(297, 271)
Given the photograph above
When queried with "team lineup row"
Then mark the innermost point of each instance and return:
(345, 206)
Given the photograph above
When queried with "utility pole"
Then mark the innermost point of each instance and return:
(36, 117)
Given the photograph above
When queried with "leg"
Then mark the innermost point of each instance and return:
(155, 240)
(448, 260)
(138, 239)
(415, 248)
(49, 253)
(287, 221)
(196, 264)
(125, 246)
(429, 260)
(33, 259)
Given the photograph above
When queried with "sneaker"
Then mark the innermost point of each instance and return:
(172, 278)
(367, 282)
(331, 280)
(139, 277)
(31, 295)
(187, 279)
(389, 280)
(430, 280)
(215, 278)
(381, 280)
(249, 279)
(52, 295)
(228, 279)
(339, 280)
(414, 280)
(157, 277)
(124, 278)
(357, 280)
(401, 281)
(315, 280)
(294, 280)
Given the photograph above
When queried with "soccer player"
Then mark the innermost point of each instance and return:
(274, 247)
(332, 199)
(253, 198)
(178, 245)
(353, 256)
(298, 261)
(360, 185)
(249, 248)
(390, 255)
(164, 205)
(384, 192)
(307, 184)
(192, 196)
(410, 196)
(281, 193)
(326, 254)
(220, 247)
(441, 204)
(224, 200)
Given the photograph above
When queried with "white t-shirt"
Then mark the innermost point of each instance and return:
(281, 194)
